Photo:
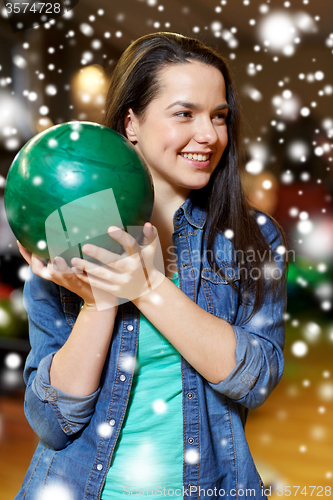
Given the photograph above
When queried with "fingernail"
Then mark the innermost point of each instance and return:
(86, 248)
(59, 264)
(113, 228)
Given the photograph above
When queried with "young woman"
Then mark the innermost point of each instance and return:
(151, 397)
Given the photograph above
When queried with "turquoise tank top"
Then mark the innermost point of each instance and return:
(149, 451)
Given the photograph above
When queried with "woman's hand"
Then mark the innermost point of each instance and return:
(63, 275)
(137, 271)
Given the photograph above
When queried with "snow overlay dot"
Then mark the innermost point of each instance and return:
(299, 348)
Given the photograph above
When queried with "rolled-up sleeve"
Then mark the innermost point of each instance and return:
(54, 415)
(260, 341)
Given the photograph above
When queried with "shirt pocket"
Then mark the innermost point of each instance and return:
(71, 305)
(219, 296)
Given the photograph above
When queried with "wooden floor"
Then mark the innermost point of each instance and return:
(290, 436)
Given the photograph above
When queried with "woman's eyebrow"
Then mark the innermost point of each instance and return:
(196, 107)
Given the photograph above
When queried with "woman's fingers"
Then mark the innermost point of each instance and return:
(127, 241)
(24, 252)
(73, 279)
(126, 276)
(61, 265)
(101, 254)
(103, 272)
(149, 234)
(36, 264)
(106, 257)
(122, 275)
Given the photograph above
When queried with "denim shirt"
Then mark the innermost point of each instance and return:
(78, 434)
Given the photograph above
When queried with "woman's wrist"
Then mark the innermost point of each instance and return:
(92, 308)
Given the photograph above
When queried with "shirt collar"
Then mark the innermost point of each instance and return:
(194, 214)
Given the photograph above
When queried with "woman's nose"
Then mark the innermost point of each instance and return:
(205, 132)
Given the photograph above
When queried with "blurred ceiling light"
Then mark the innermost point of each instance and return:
(12, 116)
(299, 348)
(86, 29)
(278, 29)
(288, 105)
(287, 177)
(318, 242)
(325, 391)
(19, 61)
(324, 290)
(253, 93)
(216, 26)
(297, 150)
(261, 190)
(258, 151)
(311, 332)
(8, 109)
(254, 166)
(305, 226)
(51, 89)
(293, 211)
(13, 360)
(90, 80)
(305, 22)
(290, 108)
(43, 124)
(87, 57)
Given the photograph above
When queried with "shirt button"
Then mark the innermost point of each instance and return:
(178, 217)
(112, 422)
(130, 328)
(190, 395)
(99, 467)
(122, 378)
(185, 264)
(191, 440)
(180, 235)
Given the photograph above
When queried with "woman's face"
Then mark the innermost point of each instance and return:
(184, 133)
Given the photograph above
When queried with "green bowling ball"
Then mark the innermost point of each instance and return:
(70, 183)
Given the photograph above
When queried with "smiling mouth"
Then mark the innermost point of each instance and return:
(195, 156)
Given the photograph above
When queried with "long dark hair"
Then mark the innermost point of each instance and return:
(134, 84)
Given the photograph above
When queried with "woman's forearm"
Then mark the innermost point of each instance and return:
(208, 343)
(76, 368)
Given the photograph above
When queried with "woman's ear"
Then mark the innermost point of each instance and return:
(130, 126)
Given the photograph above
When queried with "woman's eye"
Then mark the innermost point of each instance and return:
(184, 114)
(188, 114)
(221, 117)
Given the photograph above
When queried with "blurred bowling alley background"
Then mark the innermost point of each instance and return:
(281, 54)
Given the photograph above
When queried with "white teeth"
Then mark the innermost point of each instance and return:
(194, 156)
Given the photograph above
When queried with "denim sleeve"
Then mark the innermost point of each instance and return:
(54, 415)
(260, 341)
